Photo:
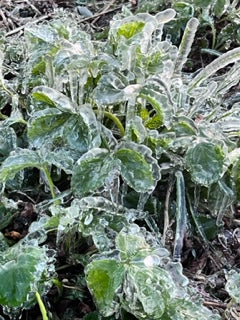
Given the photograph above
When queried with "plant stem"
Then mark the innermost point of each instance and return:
(115, 120)
(50, 183)
(41, 306)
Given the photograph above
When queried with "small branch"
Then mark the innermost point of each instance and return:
(103, 11)
(34, 21)
(99, 14)
(215, 304)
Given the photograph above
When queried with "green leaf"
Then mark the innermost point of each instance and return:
(206, 162)
(46, 125)
(202, 3)
(129, 29)
(91, 171)
(219, 7)
(160, 103)
(17, 161)
(138, 168)
(81, 132)
(21, 274)
(54, 98)
(104, 278)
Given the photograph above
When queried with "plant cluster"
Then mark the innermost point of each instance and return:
(113, 138)
(219, 22)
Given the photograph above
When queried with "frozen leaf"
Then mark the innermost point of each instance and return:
(206, 162)
(160, 103)
(91, 171)
(138, 168)
(232, 285)
(165, 16)
(43, 33)
(46, 125)
(202, 3)
(225, 59)
(219, 7)
(8, 210)
(17, 161)
(151, 289)
(104, 278)
(137, 131)
(220, 197)
(81, 131)
(110, 89)
(62, 158)
(54, 98)
(129, 29)
(186, 309)
(8, 141)
(186, 44)
(22, 273)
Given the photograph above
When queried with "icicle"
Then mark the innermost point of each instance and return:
(181, 213)
(143, 198)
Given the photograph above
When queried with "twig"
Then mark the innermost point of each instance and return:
(218, 305)
(99, 14)
(33, 7)
(16, 30)
(103, 11)
(3, 17)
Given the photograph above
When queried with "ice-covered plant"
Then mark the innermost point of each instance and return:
(100, 121)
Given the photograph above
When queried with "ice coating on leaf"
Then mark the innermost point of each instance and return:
(186, 44)
(62, 158)
(220, 198)
(81, 132)
(8, 141)
(131, 28)
(206, 162)
(160, 103)
(44, 33)
(231, 78)
(108, 273)
(228, 57)
(136, 130)
(110, 89)
(91, 170)
(17, 161)
(232, 285)
(139, 169)
(54, 98)
(165, 16)
(28, 267)
(46, 125)
(73, 55)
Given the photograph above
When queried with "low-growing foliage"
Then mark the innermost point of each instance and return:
(96, 122)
